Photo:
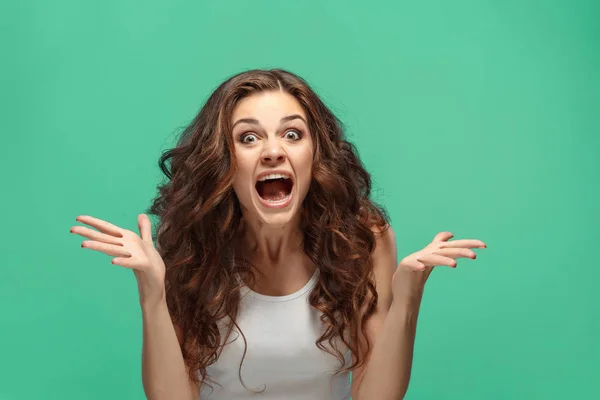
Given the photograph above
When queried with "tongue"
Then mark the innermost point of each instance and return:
(274, 190)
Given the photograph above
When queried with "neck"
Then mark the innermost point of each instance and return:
(278, 255)
(270, 245)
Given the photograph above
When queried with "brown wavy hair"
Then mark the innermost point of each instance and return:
(199, 217)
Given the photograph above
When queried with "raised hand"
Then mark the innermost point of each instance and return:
(413, 270)
(129, 250)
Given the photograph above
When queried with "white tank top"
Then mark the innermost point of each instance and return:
(281, 355)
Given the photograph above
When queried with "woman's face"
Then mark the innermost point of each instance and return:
(274, 153)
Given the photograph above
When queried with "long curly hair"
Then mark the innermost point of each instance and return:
(199, 216)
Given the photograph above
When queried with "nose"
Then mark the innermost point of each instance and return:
(273, 153)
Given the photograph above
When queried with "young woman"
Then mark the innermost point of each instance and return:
(274, 275)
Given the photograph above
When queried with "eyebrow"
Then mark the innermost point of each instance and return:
(255, 121)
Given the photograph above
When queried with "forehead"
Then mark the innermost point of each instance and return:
(269, 105)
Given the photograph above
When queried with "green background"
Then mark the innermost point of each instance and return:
(478, 117)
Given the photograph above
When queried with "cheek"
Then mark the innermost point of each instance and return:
(305, 155)
(304, 168)
(244, 163)
(242, 177)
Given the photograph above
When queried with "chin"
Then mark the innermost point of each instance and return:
(276, 221)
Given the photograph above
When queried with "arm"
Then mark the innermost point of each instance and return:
(391, 330)
(164, 373)
(393, 326)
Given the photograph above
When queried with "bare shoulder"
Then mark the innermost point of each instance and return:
(385, 246)
(384, 265)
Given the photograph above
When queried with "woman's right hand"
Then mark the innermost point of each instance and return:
(130, 251)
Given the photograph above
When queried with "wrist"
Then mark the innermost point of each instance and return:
(150, 303)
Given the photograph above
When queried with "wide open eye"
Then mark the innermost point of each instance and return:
(293, 135)
(244, 138)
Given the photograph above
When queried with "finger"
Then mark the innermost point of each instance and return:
(456, 253)
(145, 227)
(126, 262)
(94, 235)
(414, 264)
(102, 226)
(432, 260)
(110, 249)
(466, 243)
(443, 236)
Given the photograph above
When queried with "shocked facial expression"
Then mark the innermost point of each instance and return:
(274, 156)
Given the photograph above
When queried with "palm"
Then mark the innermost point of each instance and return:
(130, 250)
(413, 270)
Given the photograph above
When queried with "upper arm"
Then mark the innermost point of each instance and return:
(195, 387)
(384, 259)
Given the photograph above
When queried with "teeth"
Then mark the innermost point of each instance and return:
(273, 176)
(278, 201)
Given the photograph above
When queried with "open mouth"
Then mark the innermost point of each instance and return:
(275, 190)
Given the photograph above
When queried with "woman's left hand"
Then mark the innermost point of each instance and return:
(413, 271)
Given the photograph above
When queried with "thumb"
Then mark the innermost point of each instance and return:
(443, 236)
(145, 227)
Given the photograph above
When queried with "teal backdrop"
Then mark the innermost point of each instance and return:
(478, 117)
